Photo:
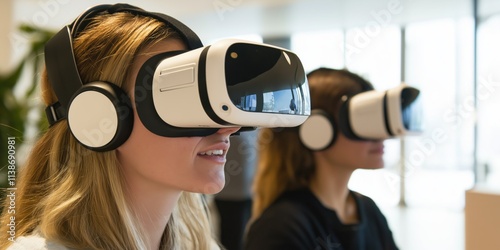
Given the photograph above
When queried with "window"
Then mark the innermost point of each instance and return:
(319, 49)
(488, 98)
(439, 162)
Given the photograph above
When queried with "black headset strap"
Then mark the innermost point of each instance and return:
(62, 72)
(60, 60)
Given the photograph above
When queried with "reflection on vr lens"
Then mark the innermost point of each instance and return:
(270, 102)
(411, 109)
(265, 84)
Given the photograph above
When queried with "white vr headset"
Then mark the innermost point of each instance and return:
(369, 115)
(385, 114)
(229, 83)
(232, 83)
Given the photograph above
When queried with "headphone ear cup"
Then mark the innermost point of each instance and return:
(318, 131)
(100, 116)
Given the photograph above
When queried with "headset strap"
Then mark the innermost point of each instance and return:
(61, 69)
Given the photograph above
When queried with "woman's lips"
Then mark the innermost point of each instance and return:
(215, 158)
(215, 153)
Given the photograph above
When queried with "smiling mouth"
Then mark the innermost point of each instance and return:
(217, 152)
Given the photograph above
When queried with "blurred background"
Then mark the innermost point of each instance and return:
(449, 49)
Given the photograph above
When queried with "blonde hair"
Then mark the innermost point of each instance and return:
(75, 196)
(284, 162)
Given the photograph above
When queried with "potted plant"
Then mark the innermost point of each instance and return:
(15, 107)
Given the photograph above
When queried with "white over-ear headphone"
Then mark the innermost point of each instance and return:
(318, 132)
(100, 114)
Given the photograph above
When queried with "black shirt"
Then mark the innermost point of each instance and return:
(298, 220)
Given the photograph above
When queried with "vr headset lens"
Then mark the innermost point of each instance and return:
(259, 79)
(411, 108)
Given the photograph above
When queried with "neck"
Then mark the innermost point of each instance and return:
(153, 206)
(330, 185)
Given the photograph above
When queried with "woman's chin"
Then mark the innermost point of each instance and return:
(213, 185)
(212, 188)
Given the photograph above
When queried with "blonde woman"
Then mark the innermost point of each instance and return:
(142, 195)
(302, 200)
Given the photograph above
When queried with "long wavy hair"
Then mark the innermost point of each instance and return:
(284, 162)
(75, 196)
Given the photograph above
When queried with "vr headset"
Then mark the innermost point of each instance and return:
(382, 115)
(369, 115)
(231, 83)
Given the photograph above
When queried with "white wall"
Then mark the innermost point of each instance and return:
(6, 27)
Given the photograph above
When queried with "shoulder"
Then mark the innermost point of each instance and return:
(35, 242)
(369, 209)
(289, 223)
(291, 207)
(366, 203)
(374, 221)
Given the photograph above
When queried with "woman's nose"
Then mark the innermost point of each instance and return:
(230, 130)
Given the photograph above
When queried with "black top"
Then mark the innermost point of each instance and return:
(298, 220)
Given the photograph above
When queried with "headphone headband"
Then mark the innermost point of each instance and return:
(187, 35)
